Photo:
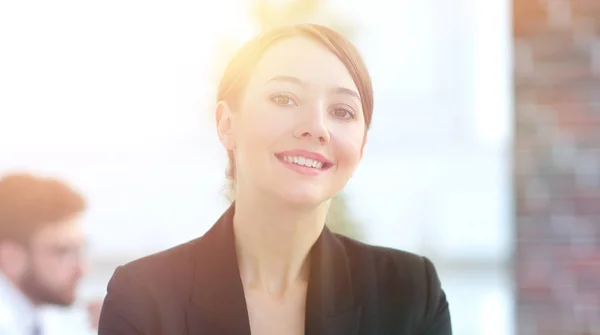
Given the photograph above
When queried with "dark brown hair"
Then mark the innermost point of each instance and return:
(240, 68)
(28, 203)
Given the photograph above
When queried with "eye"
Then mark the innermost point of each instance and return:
(343, 112)
(282, 100)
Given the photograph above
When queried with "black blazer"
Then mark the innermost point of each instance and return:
(354, 288)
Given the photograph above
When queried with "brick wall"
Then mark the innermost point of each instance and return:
(557, 165)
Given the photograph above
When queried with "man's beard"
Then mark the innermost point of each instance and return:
(39, 293)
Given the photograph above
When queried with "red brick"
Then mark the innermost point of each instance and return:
(585, 7)
(529, 17)
(559, 92)
(557, 124)
(587, 204)
(574, 114)
(556, 47)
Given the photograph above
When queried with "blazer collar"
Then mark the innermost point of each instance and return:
(218, 304)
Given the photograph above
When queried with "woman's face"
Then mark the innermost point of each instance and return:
(298, 130)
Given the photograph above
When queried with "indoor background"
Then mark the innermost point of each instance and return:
(483, 154)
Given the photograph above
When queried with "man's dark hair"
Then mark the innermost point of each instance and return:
(29, 203)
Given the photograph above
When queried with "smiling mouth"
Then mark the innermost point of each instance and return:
(304, 162)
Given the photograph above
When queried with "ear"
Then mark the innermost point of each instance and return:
(224, 125)
(13, 259)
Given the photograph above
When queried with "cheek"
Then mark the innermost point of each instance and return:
(260, 129)
(45, 266)
(50, 266)
(251, 142)
(347, 147)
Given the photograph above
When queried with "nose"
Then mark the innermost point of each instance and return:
(313, 125)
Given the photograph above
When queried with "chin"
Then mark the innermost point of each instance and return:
(298, 193)
(303, 202)
(65, 301)
(304, 198)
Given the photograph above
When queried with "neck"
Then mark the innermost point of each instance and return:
(273, 242)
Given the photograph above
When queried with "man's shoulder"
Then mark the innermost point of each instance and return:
(8, 321)
(15, 309)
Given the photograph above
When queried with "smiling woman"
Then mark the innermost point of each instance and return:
(321, 70)
(293, 110)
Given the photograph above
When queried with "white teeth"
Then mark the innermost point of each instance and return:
(303, 161)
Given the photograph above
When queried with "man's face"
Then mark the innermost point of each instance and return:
(54, 264)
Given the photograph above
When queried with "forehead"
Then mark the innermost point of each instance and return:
(69, 230)
(305, 59)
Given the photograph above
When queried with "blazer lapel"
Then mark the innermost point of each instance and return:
(217, 304)
(331, 307)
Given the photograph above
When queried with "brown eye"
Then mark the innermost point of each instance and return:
(342, 113)
(282, 100)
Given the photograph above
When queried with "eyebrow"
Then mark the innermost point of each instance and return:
(347, 91)
(297, 81)
(288, 79)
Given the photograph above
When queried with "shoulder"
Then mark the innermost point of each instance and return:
(168, 276)
(160, 270)
(8, 316)
(400, 281)
(163, 276)
(403, 267)
(144, 294)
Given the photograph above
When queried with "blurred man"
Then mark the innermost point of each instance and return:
(41, 244)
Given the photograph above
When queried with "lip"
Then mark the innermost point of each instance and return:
(307, 154)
